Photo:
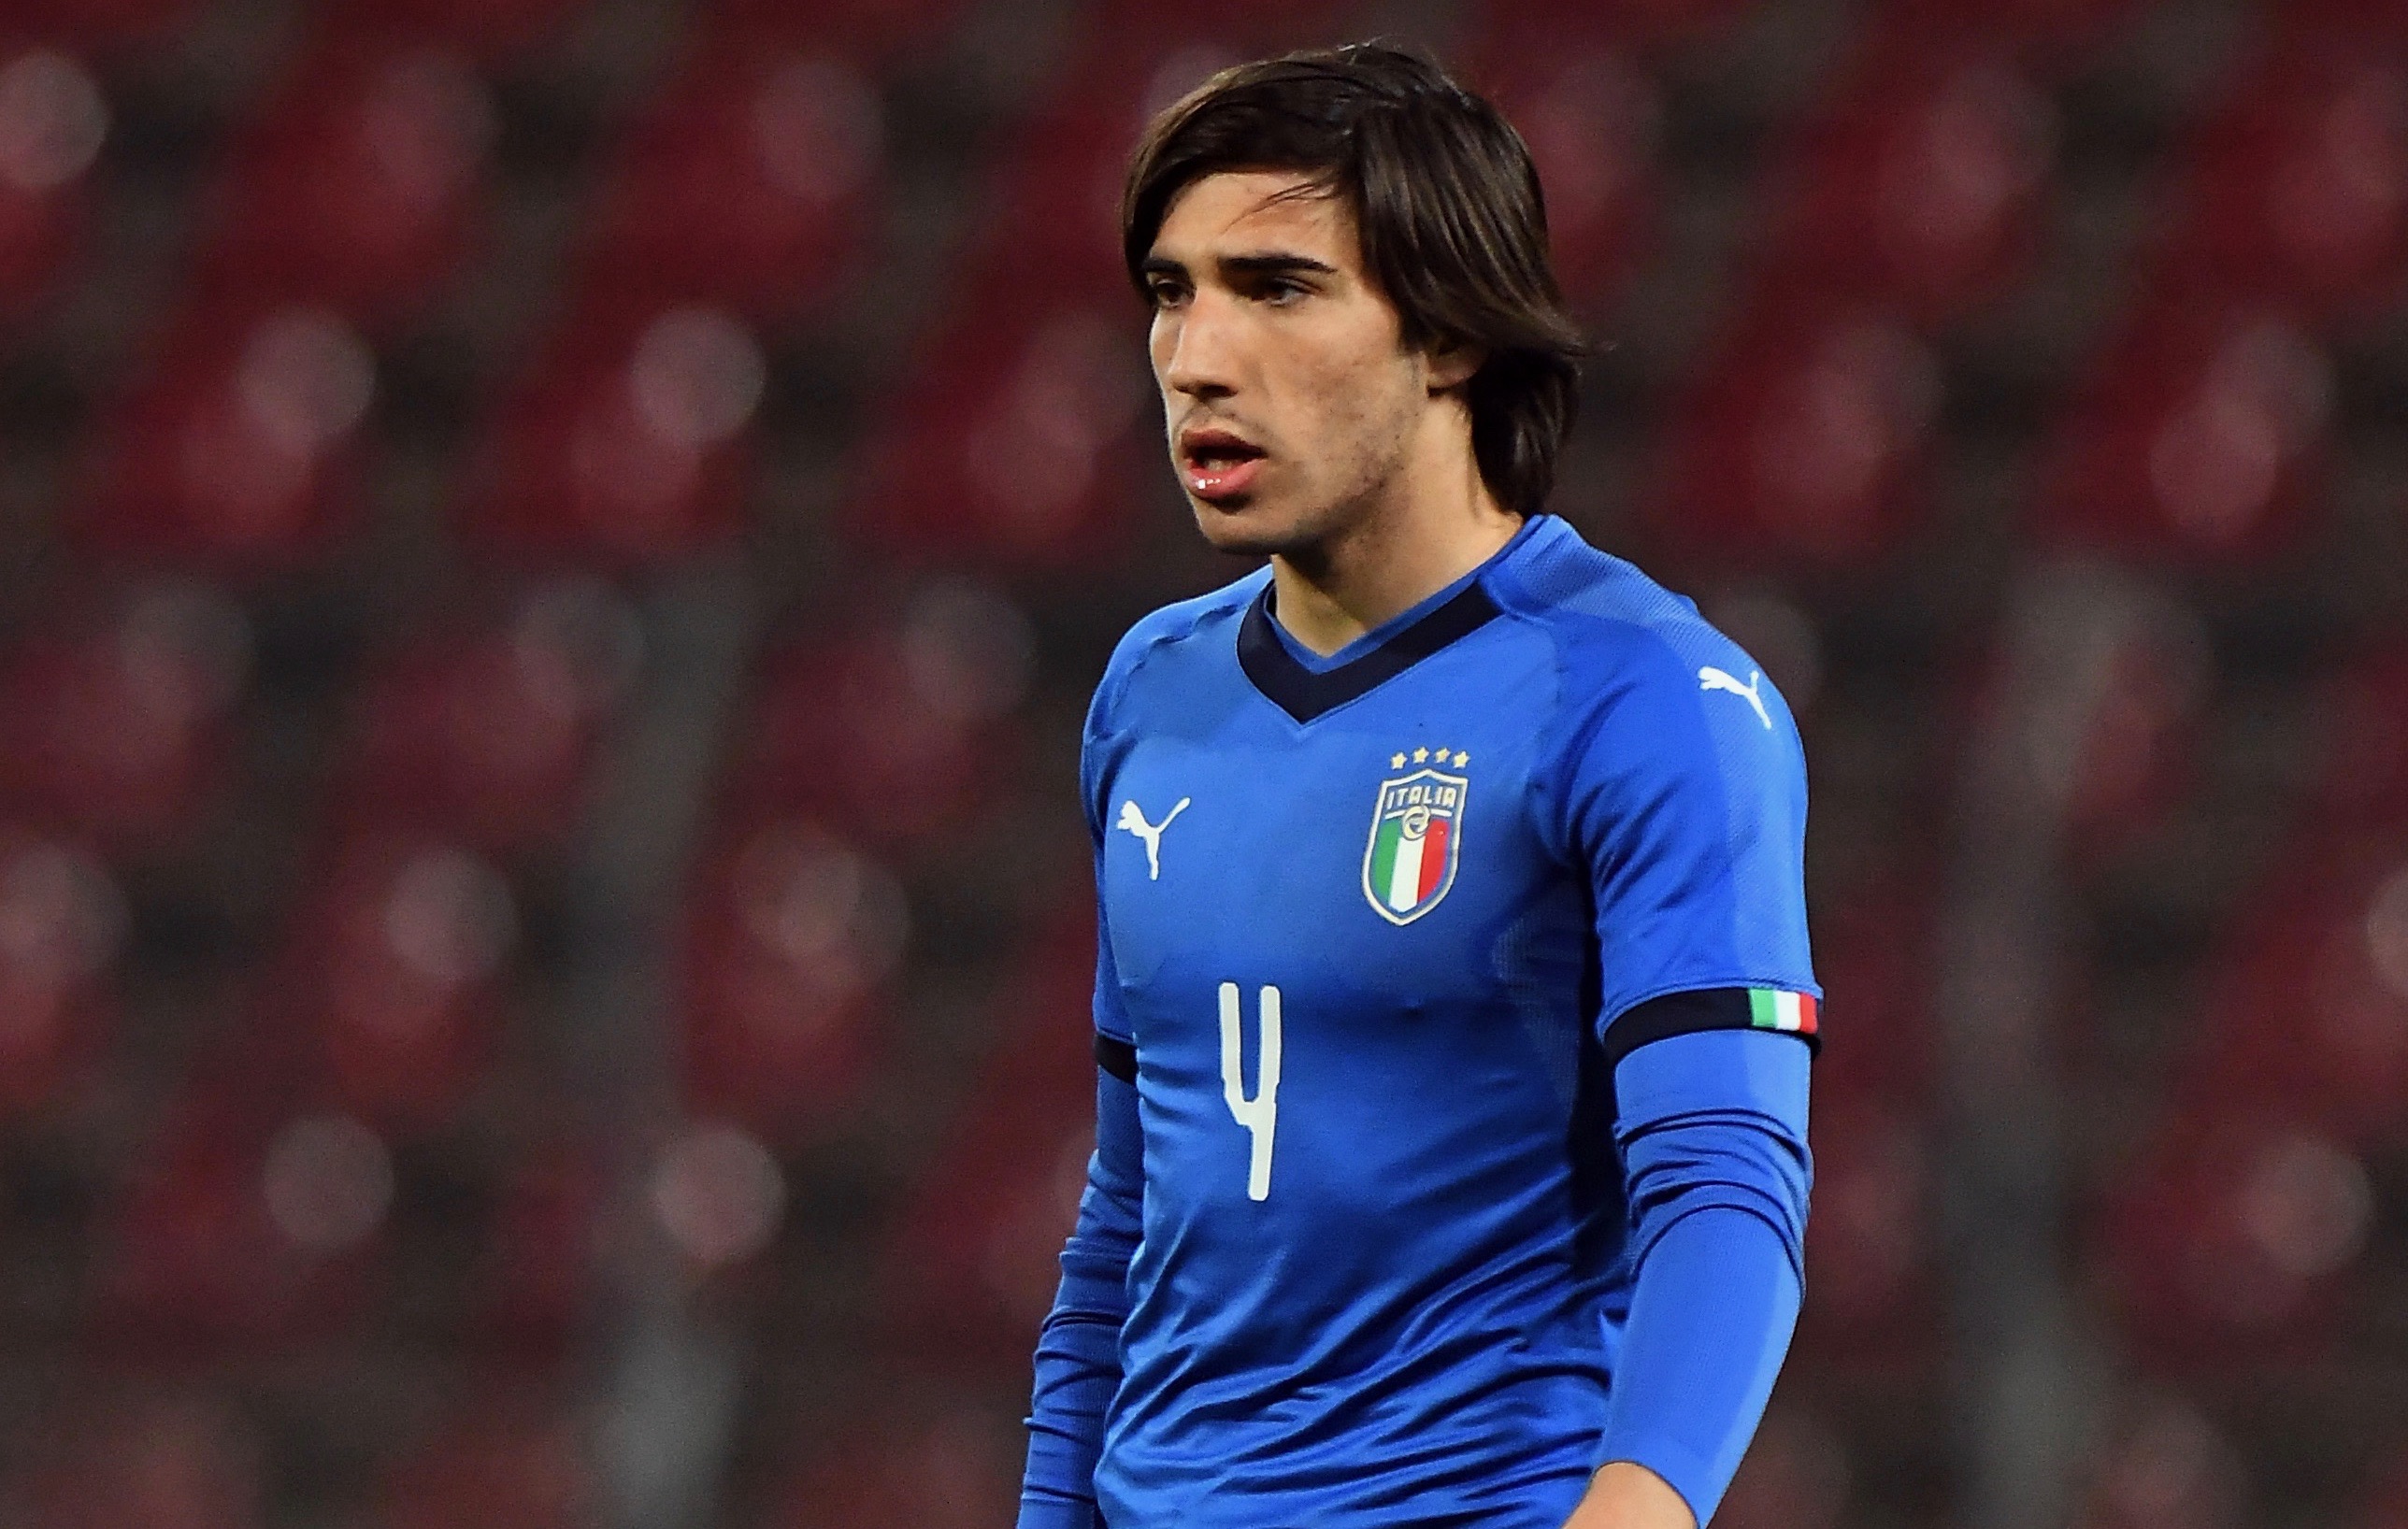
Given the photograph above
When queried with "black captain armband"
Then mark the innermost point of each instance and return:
(1117, 1057)
(1776, 1010)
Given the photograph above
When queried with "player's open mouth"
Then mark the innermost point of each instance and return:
(1218, 464)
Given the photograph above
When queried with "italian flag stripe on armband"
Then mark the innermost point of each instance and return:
(1770, 1009)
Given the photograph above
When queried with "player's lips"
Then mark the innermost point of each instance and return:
(1218, 466)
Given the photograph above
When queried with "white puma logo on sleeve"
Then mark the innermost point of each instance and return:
(1710, 678)
(1134, 820)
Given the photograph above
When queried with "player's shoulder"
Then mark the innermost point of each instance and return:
(1650, 697)
(1205, 623)
(1614, 628)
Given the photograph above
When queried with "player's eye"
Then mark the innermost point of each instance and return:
(1283, 292)
(1166, 292)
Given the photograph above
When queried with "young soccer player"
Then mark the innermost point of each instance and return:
(1452, 1004)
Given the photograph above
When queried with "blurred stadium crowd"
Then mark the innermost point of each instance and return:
(552, 554)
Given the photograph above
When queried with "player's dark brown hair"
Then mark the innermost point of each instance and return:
(1453, 226)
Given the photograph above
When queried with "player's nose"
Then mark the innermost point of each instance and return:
(1199, 357)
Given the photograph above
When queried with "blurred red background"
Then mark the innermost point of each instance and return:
(552, 553)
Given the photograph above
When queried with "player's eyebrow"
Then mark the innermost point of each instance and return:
(1274, 263)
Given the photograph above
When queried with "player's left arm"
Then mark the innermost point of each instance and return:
(1713, 1131)
(1682, 790)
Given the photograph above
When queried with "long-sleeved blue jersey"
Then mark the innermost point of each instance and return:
(1383, 934)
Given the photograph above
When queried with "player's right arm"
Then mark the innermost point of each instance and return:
(1078, 1349)
(1078, 1363)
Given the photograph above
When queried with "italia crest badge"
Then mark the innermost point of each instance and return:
(1416, 837)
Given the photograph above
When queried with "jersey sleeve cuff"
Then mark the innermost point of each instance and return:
(1776, 1010)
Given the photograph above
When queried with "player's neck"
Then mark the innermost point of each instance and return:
(1438, 527)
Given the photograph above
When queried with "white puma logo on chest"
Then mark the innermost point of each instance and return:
(1134, 820)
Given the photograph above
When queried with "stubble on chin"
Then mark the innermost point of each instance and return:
(1301, 539)
(1305, 538)
(1231, 533)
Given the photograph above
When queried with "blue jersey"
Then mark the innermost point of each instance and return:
(1374, 930)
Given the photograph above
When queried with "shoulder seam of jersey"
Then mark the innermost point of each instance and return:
(1120, 672)
(1545, 799)
(1560, 636)
(1201, 609)
(1517, 607)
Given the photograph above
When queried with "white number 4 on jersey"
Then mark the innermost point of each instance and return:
(1259, 1115)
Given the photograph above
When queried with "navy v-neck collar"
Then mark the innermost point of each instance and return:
(1304, 691)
